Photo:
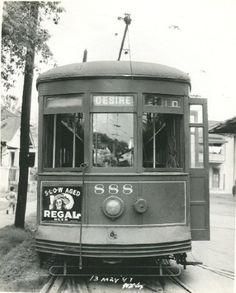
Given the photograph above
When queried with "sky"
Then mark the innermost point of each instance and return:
(195, 36)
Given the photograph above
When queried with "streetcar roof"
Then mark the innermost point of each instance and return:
(114, 69)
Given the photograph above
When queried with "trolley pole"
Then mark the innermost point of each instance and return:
(127, 21)
(25, 128)
(85, 55)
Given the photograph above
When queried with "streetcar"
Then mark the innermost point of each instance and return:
(123, 162)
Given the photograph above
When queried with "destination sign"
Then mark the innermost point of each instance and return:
(61, 102)
(162, 101)
(113, 100)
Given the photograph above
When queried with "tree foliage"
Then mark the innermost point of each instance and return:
(18, 35)
(9, 102)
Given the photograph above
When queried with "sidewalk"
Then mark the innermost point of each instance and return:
(9, 219)
(219, 252)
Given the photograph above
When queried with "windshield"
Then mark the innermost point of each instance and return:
(113, 139)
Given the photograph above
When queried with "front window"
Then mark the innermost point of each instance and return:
(64, 140)
(161, 140)
(113, 140)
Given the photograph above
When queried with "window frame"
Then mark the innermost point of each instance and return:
(114, 109)
(171, 111)
(200, 125)
(55, 111)
(197, 149)
(88, 109)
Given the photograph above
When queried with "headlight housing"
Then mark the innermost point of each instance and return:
(113, 207)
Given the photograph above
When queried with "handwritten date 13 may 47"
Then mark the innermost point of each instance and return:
(126, 282)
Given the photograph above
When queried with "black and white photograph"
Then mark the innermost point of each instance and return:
(118, 146)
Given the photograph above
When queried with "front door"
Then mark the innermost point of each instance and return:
(199, 171)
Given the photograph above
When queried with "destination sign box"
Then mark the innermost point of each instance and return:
(61, 102)
(162, 101)
(112, 100)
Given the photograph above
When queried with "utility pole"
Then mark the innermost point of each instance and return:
(25, 125)
(127, 21)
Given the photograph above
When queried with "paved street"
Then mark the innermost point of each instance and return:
(10, 218)
(218, 253)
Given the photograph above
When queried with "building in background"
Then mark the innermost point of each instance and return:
(10, 148)
(222, 156)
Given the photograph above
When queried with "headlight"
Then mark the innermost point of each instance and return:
(113, 207)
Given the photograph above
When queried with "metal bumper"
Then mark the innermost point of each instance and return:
(114, 251)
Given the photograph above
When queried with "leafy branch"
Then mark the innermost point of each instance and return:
(18, 36)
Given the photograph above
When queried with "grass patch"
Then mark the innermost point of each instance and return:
(19, 263)
(10, 237)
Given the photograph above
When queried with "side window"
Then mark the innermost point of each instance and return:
(196, 136)
(196, 147)
(64, 140)
(161, 140)
(196, 114)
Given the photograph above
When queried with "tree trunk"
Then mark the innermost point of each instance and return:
(25, 128)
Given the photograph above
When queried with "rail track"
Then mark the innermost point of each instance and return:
(78, 285)
(107, 284)
(112, 284)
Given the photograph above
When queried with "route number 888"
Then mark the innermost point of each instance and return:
(100, 189)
